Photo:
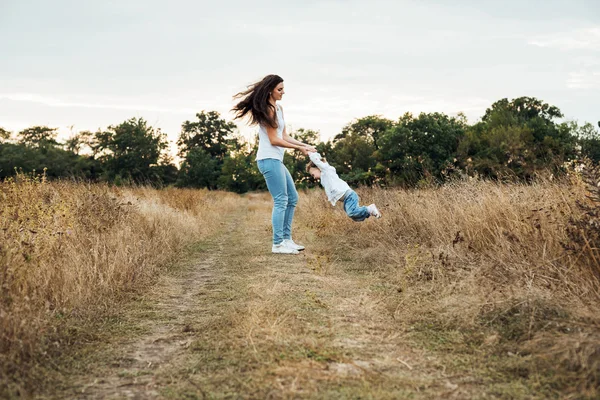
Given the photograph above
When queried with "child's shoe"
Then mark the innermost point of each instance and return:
(374, 211)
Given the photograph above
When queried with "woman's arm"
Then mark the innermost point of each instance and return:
(290, 139)
(277, 141)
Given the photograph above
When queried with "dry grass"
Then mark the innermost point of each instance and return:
(472, 290)
(479, 267)
(72, 251)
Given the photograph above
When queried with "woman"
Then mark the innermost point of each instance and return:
(259, 101)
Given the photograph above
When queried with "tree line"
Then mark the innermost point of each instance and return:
(516, 139)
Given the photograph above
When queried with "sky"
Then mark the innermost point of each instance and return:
(87, 64)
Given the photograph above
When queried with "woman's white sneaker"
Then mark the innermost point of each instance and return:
(281, 248)
(290, 243)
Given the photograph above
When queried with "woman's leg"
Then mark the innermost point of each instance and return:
(292, 200)
(353, 209)
(273, 171)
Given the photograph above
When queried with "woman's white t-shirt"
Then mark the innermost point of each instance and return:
(265, 148)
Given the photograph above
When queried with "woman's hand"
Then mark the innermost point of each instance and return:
(304, 150)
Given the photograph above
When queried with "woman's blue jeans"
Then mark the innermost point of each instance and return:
(352, 207)
(285, 197)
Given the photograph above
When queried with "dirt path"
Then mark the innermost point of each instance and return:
(235, 321)
(163, 323)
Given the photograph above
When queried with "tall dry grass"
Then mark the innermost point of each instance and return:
(496, 262)
(72, 250)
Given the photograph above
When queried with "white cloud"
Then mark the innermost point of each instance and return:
(113, 105)
(580, 39)
(586, 68)
(584, 80)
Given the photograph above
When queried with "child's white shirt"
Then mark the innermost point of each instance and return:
(335, 188)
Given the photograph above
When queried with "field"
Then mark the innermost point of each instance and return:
(470, 290)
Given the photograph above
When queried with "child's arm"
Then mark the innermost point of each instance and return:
(316, 158)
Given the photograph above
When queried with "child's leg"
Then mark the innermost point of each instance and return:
(353, 209)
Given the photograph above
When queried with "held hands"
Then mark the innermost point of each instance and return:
(307, 149)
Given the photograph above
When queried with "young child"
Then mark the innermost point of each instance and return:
(338, 190)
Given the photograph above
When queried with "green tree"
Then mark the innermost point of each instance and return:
(166, 172)
(84, 141)
(4, 135)
(38, 136)
(131, 151)
(239, 174)
(518, 137)
(519, 111)
(210, 133)
(204, 145)
(498, 152)
(354, 150)
(420, 148)
(58, 163)
(199, 170)
(371, 127)
(588, 139)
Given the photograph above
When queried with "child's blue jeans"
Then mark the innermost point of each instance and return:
(353, 209)
(285, 197)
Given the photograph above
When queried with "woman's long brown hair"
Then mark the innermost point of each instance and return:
(255, 101)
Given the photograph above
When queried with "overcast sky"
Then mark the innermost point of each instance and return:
(92, 63)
